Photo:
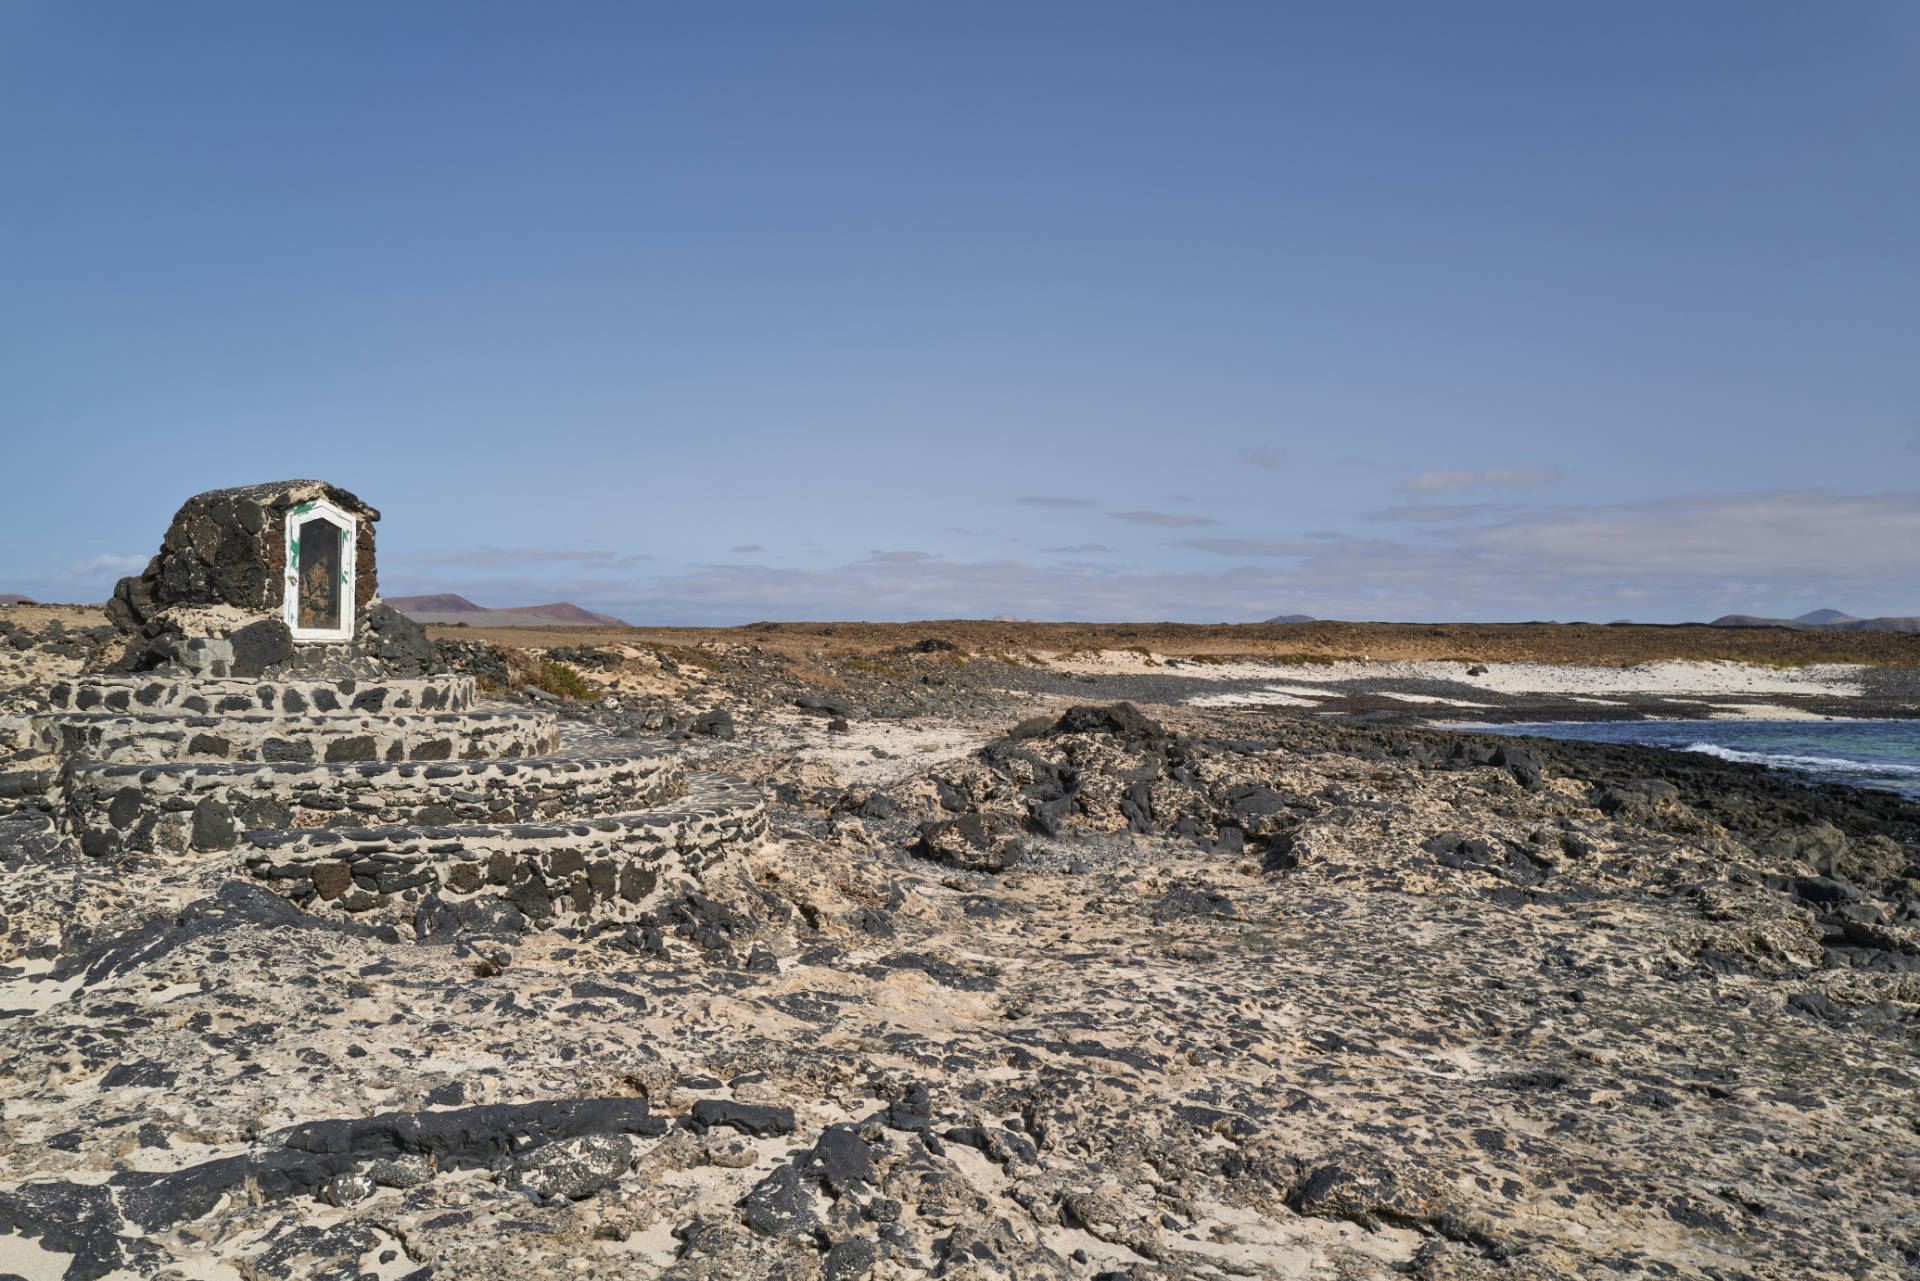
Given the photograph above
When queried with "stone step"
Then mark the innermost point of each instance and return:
(203, 807)
(20, 746)
(123, 738)
(148, 692)
(29, 789)
(606, 866)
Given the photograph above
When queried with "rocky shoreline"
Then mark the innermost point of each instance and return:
(1045, 969)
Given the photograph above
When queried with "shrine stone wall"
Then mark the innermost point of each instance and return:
(211, 602)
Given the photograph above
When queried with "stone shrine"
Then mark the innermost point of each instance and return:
(266, 579)
(266, 707)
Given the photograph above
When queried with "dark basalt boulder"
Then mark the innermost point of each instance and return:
(782, 1206)
(259, 647)
(748, 1118)
(972, 842)
(574, 1168)
(1122, 720)
(398, 642)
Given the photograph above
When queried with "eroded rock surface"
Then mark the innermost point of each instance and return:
(1042, 990)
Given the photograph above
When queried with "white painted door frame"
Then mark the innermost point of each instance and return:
(290, 597)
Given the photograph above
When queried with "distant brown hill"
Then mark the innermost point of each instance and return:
(444, 603)
(9, 598)
(446, 607)
(562, 612)
(1810, 623)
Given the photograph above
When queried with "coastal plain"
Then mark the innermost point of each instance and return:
(1079, 952)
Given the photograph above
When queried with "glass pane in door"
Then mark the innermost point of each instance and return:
(320, 569)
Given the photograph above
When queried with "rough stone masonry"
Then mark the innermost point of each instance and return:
(264, 706)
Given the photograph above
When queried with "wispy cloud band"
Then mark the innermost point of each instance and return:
(1166, 520)
(1459, 480)
(1693, 557)
(507, 557)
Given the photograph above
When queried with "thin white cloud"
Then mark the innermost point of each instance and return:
(1078, 549)
(1682, 558)
(507, 557)
(1775, 535)
(1043, 500)
(1458, 480)
(1696, 557)
(1264, 457)
(1253, 546)
(1433, 513)
(106, 563)
(746, 548)
(1165, 519)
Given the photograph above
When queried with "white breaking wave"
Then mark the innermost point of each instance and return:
(1825, 764)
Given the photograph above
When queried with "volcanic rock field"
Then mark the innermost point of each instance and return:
(1042, 968)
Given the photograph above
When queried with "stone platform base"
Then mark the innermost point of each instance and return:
(346, 795)
(605, 867)
(149, 692)
(137, 738)
(29, 787)
(203, 807)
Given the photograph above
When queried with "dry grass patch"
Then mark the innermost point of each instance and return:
(693, 656)
(877, 668)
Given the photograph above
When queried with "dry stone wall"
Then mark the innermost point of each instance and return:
(301, 732)
(159, 692)
(609, 866)
(347, 737)
(162, 806)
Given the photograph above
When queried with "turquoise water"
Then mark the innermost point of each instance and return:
(1883, 754)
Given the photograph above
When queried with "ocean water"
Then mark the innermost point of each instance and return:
(1882, 754)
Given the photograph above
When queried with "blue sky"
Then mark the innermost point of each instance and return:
(714, 313)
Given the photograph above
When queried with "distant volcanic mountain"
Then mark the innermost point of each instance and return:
(10, 598)
(444, 603)
(1823, 620)
(1291, 618)
(446, 607)
(562, 612)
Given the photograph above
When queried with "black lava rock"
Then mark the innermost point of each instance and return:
(259, 646)
(1122, 720)
(747, 1118)
(396, 640)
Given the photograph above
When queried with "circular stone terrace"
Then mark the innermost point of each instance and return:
(346, 794)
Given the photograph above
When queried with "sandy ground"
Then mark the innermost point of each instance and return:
(1302, 685)
(875, 753)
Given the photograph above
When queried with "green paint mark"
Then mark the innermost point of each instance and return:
(303, 507)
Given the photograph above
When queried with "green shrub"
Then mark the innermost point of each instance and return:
(561, 681)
